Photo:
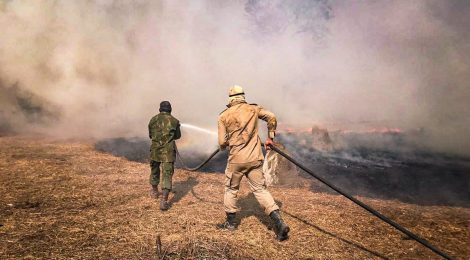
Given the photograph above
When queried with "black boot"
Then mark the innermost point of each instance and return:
(164, 205)
(282, 230)
(154, 192)
(229, 223)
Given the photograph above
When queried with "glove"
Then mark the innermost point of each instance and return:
(222, 147)
(269, 142)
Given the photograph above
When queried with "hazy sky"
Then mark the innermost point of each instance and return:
(106, 65)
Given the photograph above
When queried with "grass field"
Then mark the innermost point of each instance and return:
(63, 199)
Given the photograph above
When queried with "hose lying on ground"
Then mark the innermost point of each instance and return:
(358, 202)
(364, 206)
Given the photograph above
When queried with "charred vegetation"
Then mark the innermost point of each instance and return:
(65, 199)
(385, 165)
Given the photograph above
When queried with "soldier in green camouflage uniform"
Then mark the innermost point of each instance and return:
(164, 129)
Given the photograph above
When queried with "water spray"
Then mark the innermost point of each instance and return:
(202, 130)
(199, 129)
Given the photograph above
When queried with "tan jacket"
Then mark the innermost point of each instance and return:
(238, 129)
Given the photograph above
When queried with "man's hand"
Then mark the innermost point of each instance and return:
(222, 147)
(268, 143)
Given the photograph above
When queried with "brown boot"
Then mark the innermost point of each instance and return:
(164, 205)
(154, 192)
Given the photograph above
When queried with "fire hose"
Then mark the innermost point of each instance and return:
(192, 169)
(338, 190)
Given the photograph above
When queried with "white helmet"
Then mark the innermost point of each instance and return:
(236, 90)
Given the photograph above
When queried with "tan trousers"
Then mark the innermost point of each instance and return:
(253, 171)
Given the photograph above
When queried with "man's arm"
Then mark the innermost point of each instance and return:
(178, 131)
(271, 121)
(269, 118)
(222, 134)
(150, 129)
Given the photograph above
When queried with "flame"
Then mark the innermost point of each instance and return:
(372, 130)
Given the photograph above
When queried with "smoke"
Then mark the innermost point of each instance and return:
(105, 65)
(20, 108)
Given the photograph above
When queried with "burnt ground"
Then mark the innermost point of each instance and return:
(63, 199)
(408, 175)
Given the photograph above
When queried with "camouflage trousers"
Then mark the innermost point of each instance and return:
(166, 169)
(254, 173)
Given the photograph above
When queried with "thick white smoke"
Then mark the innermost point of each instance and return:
(107, 64)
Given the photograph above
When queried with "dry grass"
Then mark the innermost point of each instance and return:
(62, 199)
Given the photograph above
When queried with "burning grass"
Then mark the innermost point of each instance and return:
(63, 199)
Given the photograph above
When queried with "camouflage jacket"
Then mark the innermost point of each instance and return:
(164, 129)
(238, 129)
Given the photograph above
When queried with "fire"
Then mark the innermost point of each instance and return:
(318, 128)
(326, 139)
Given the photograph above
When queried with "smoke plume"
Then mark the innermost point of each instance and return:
(102, 67)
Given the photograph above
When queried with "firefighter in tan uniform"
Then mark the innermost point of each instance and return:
(238, 130)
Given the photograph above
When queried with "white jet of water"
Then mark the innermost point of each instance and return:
(200, 129)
